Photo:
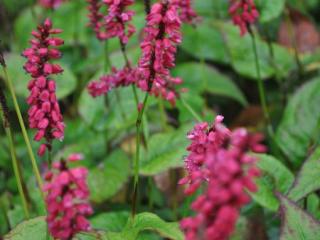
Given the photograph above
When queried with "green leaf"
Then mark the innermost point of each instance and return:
(66, 82)
(308, 178)
(201, 77)
(300, 123)
(199, 43)
(165, 151)
(276, 177)
(107, 179)
(113, 221)
(28, 230)
(147, 222)
(296, 223)
(270, 9)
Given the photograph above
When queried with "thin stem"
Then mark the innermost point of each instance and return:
(17, 172)
(190, 109)
(118, 97)
(6, 124)
(162, 114)
(107, 62)
(137, 155)
(261, 90)
(24, 131)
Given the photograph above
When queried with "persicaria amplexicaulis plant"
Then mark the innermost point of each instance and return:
(44, 112)
(186, 13)
(67, 199)
(244, 13)
(220, 159)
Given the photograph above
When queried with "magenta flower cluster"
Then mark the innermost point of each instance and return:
(44, 112)
(220, 159)
(117, 78)
(67, 199)
(159, 46)
(186, 13)
(114, 24)
(53, 4)
(243, 14)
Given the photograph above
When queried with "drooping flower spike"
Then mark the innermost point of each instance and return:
(44, 112)
(159, 46)
(115, 23)
(186, 13)
(220, 160)
(67, 199)
(117, 78)
(243, 13)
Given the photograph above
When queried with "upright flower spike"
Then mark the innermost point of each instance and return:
(51, 4)
(44, 112)
(67, 199)
(243, 13)
(159, 46)
(116, 23)
(220, 159)
(186, 13)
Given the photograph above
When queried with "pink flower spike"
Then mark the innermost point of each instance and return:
(220, 160)
(44, 115)
(67, 200)
(74, 157)
(243, 13)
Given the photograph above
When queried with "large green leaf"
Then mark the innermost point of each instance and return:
(276, 177)
(70, 18)
(296, 223)
(107, 179)
(201, 77)
(300, 123)
(66, 82)
(308, 179)
(147, 222)
(270, 9)
(205, 42)
(113, 221)
(29, 230)
(165, 150)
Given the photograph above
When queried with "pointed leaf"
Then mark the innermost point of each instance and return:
(296, 223)
(308, 179)
(28, 230)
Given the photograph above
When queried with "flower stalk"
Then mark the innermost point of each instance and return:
(6, 124)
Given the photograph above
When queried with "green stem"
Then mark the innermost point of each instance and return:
(190, 109)
(107, 62)
(162, 114)
(137, 155)
(261, 90)
(24, 131)
(15, 165)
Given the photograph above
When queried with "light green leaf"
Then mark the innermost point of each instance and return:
(201, 77)
(147, 222)
(296, 223)
(299, 126)
(165, 151)
(28, 230)
(270, 9)
(276, 177)
(66, 82)
(308, 179)
(107, 179)
(113, 221)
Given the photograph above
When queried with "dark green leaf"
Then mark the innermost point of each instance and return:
(107, 179)
(300, 123)
(308, 179)
(276, 177)
(296, 223)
